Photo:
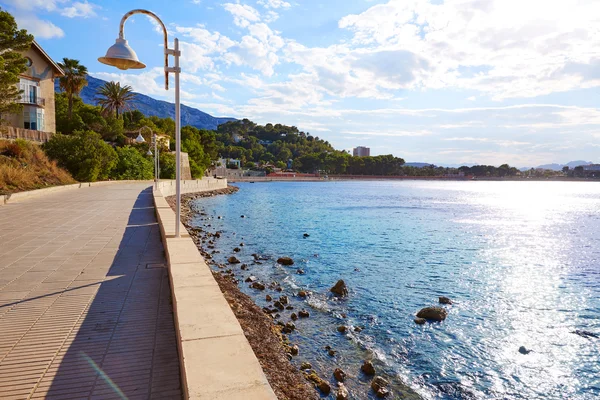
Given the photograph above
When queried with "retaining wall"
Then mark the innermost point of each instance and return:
(216, 360)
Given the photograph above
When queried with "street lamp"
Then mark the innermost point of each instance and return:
(122, 56)
(156, 154)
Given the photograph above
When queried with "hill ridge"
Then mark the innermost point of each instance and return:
(160, 108)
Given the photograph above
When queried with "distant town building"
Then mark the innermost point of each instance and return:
(361, 151)
(237, 138)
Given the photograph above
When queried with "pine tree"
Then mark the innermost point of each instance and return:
(13, 42)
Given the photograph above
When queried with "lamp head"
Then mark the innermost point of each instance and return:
(140, 139)
(149, 153)
(122, 56)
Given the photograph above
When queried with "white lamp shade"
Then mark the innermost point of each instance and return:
(122, 56)
(140, 139)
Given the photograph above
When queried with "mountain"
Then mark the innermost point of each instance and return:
(559, 167)
(149, 106)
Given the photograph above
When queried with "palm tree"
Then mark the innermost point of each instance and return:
(73, 81)
(113, 97)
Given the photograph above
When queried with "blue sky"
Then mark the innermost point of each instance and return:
(455, 81)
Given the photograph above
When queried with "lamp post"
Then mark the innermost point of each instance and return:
(149, 153)
(122, 56)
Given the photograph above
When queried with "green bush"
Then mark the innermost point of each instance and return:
(84, 154)
(132, 165)
(167, 165)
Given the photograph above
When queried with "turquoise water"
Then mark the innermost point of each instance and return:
(520, 260)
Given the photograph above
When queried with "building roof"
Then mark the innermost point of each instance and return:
(54, 65)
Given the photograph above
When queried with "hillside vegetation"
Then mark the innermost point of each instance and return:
(24, 166)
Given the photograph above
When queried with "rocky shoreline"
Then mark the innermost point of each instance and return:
(264, 337)
(264, 328)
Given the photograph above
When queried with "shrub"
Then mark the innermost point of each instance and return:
(167, 165)
(24, 166)
(132, 164)
(84, 154)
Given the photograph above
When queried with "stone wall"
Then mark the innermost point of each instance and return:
(11, 133)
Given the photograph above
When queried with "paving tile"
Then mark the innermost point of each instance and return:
(74, 299)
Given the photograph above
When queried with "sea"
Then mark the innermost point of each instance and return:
(519, 260)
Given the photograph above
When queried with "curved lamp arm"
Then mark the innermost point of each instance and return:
(166, 40)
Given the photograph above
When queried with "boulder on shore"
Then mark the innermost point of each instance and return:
(368, 368)
(285, 261)
(294, 350)
(340, 289)
(342, 393)
(433, 313)
(379, 386)
(445, 300)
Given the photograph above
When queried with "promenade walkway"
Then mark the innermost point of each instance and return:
(85, 304)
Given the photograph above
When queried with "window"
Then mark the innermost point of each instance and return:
(33, 119)
(30, 90)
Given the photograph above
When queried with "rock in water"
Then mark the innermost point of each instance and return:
(285, 261)
(445, 300)
(250, 279)
(341, 329)
(268, 298)
(233, 260)
(302, 293)
(379, 386)
(524, 350)
(237, 250)
(303, 314)
(305, 365)
(368, 368)
(339, 375)
(433, 313)
(420, 321)
(586, 334)
(342, 393)
(257, 285)
(340, 289)
(294, 316)
(306, 235)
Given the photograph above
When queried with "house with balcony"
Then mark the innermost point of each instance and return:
(37, 120)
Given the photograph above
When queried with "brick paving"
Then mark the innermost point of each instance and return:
(85, 303)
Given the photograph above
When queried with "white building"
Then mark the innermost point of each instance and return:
(361, 151)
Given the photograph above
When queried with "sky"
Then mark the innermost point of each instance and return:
(441, 81)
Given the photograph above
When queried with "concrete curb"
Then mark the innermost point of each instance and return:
(216, 360)
(9, 198)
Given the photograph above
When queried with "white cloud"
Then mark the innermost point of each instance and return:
(243, 14)
(46, 5)
(79, 9)
(391, 134)
(503, 48)
(274, 3)
(39, 28)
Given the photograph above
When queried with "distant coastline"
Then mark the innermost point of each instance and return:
(407, 178)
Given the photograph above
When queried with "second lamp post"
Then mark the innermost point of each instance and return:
(122, 56)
